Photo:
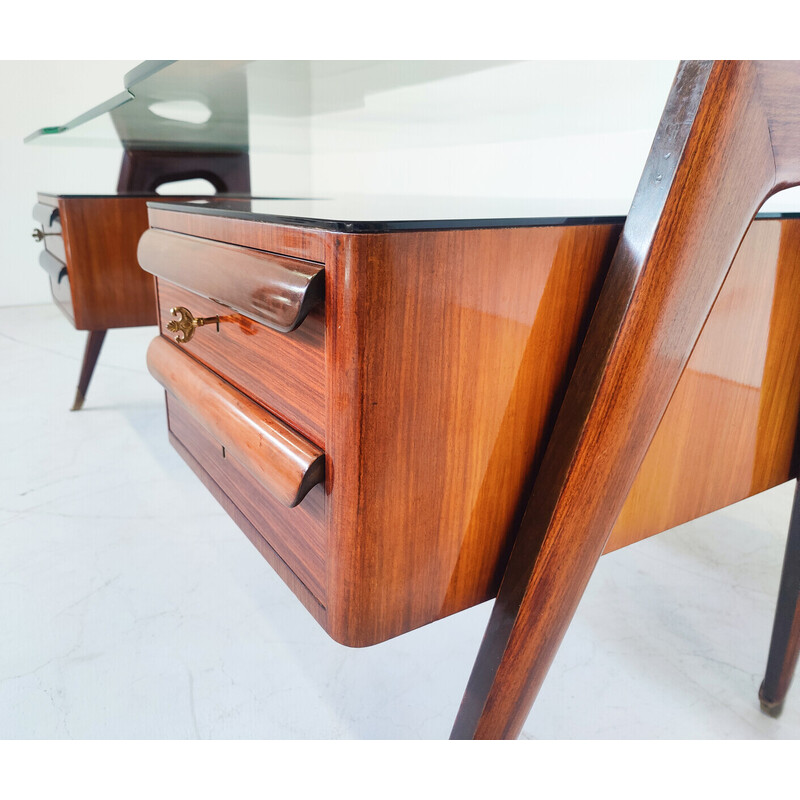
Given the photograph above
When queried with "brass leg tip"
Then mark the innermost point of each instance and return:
(769, 707)
(79, 401)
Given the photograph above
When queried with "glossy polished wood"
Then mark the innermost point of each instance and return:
(417, 360)
(729, 428)
(146, 170)
(285, 372)
(293, 540)
(286, 240)
(282, 461)
(712, 165)
(276, 291)
(109, 289)
(436, 396)
(94, 343)
(446, 387)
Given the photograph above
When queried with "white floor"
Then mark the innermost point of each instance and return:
(132, 607)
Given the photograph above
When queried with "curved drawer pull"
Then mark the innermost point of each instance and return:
(187, 323)
(47, 216)
(274, 290)
(52, 266)
(280, 459)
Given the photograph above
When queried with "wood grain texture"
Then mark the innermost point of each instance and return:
(441, 393)
(91, 352)
(291, 540)
(109, 289)
(282, 461)
(448, 353)
(729, 428)
(711, 166)
(285, 372)
(276, 291)
(287, 240)
(144, 170)
(97, 242)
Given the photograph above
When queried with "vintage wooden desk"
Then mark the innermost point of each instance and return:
(422, 362)
(90, 241)
(372, 391)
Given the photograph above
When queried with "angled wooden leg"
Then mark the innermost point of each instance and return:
(785, 645)
(711, 167)
(93, 344)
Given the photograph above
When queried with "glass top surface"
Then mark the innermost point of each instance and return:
(373, 214)
(504, 129)
(269, 106)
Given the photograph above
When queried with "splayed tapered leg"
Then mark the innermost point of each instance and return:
(93, 344)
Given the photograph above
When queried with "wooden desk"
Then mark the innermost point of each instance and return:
(428, 369)
(378, 439)
(89, 254)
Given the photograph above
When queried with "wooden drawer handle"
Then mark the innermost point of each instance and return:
(47, 216)
(276, 291)
(52, 266)
(280, 459)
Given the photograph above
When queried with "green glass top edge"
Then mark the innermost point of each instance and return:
(109, 105)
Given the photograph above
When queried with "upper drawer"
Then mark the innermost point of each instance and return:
(48, 217)
(49, 230)
(283, 371)
(276, 291)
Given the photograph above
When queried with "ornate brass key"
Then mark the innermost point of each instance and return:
(187, 324)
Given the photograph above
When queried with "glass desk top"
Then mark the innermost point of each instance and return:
(376, 214)
(327, 128)
(277, 106)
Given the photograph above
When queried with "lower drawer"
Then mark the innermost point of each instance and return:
(296, 534)
(59, 282)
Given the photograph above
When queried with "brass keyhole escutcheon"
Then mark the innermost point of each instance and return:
(187, 323)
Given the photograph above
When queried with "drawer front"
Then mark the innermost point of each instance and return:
(48, 217)
(49, 227)
(274, 290)
(285, 463)
(285, 372)
(297, 534)
(55, 244)
(59, 282)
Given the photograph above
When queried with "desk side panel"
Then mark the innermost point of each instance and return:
(448, 355)
(109, 289)
(730, 427)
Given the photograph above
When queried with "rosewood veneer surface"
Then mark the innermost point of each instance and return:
(431, 374)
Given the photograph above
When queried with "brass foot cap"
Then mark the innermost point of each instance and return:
(79, 401)
(769, 707)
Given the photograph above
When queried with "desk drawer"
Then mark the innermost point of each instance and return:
(59, 282)
(297, 535)
(271, 474)
(283, 371)
(279, 458)
(48, 217)
(276, 291)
